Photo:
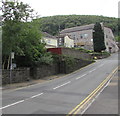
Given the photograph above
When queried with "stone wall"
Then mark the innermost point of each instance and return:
(26, 74)
(78, 64)
(17, 75)
(43, 71)
(76, 54)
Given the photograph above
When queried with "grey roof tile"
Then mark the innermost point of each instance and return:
(78, 28)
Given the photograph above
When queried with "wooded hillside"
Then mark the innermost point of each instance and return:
(54, 24)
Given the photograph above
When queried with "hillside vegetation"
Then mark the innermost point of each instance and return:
(54, 24)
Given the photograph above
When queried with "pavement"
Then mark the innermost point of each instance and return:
(107, 101)
(29, 83)
(61, 95)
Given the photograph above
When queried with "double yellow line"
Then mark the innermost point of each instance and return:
(81, 106)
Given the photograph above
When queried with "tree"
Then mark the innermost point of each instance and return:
(17, 11)
(14, 14)
(98, 38)
(117, 38)
(51, 24)
(19, 35)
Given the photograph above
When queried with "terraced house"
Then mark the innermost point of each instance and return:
(54, 42)
(65, 41)
(83, 37)
(51, 41)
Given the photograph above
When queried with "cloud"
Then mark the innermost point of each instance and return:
(119, 9)
(79, 7)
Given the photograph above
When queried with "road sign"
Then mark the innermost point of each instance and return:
(12, 55)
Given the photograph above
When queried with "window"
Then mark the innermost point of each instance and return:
(73, 38)
(48, 41)
(106, 36)
(85, 35)
(60, 40)
(60, 43)
(81, 36)
(82, 45)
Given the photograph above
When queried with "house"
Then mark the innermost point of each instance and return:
(51, 41)
(54, 42)
(110, 43)
(68, 42)
(65, 41)
(83, 37)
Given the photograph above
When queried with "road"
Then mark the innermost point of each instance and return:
(61, 95)
(107, 101)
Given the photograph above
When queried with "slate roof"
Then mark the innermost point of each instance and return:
(45, 34)
(78, 28)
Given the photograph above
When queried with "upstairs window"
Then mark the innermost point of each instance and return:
(83, 36)
(48, 42)
(106, 43)
(106, 36)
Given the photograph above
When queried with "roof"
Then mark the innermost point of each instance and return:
(78, 28)
(63, 35)
(45, 34)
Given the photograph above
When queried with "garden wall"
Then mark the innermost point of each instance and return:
(76, 54)
(17, 75)
(27, 74)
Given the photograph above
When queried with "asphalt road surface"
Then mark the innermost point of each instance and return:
(107, 101)
(61, 95)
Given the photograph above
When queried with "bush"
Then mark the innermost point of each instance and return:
(84, 50)
(46, 59)
(100, 55)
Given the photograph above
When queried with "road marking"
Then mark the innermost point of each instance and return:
(28, 86)
(62, 85)
(92, 95)
(95, 97)
(81, 76)
(89, 72)
(12, 104)
(20, 101)
(96, 68)
(36, 95)
(92, 70)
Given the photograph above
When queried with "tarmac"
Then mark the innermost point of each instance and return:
(107, 101)
(28, 83)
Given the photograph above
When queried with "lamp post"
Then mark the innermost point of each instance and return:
(12, 57)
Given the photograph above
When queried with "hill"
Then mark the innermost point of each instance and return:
(54, 24)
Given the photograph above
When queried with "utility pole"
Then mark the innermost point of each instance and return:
(59, 29)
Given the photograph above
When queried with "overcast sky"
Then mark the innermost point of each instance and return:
(79, 7)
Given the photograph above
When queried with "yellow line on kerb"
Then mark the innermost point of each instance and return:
(90, 96)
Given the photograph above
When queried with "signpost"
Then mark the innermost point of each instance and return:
(12, 57)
